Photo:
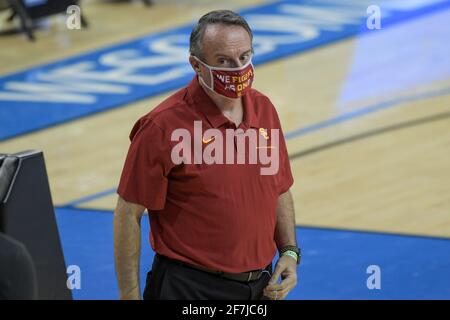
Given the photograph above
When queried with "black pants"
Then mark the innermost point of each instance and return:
(169, 280)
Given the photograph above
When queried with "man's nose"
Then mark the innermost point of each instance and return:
(236, 63)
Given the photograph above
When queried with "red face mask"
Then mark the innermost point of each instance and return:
(230, 82)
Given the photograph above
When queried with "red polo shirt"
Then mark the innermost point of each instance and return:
(220, 216)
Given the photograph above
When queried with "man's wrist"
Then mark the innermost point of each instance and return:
(291, 254)
(291, 251)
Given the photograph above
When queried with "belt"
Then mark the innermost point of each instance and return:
(242, 277)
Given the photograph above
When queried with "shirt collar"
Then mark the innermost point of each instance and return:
(204, 104)
(250, 116)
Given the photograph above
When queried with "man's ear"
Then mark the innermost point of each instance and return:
(195, 64)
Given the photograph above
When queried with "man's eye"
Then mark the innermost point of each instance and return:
(222, 61)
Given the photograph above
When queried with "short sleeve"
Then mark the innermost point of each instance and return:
(147, 165)
(286, 179)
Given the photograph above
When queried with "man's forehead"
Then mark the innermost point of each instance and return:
(226, 39)
(231, 52)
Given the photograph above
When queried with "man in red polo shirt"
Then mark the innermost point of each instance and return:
(210, 165)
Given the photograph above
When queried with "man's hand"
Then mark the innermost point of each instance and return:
(286, 267)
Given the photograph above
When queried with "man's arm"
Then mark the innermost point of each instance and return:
(286, 266)
(285, 228)
(127, 247)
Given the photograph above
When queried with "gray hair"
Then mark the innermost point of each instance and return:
(226, 17)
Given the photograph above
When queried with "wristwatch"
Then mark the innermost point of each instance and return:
(285, 251)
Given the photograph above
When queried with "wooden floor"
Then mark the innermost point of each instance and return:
(386, 170)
